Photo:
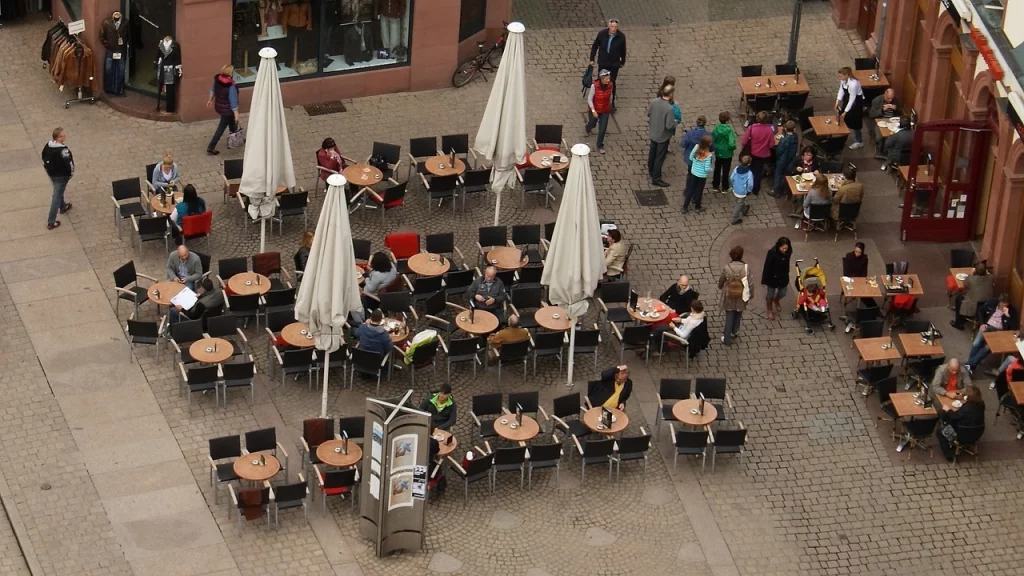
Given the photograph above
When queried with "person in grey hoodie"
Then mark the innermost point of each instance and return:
(662, 125)
(60, 167)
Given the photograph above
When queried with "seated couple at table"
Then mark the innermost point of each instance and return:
(994, 315)
(955, 423)
(682, 325)
(849, 192)
(487, 293)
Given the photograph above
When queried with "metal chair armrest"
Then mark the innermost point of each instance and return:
(459, 252)
(462, 471)
(602, 305)
(711, 435)
(441, 341)
(181, 368)
(543, 412)
(424, 180)
(436, 319)
(408, 282)
(135, 223)
(242, 335)
(576, 441)
(475, 418)
(615, 329)
(281, 449)
(457, 307)
(234, 497)
(280, 360)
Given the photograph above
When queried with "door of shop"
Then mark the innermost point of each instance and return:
(866, 18)
(942, 186)
(148, 22)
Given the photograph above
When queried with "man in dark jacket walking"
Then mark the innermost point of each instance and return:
(60, 167)
(609, 51)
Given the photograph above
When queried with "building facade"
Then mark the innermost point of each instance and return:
(327, 49)
(958, 60)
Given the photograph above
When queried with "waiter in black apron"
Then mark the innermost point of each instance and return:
(850, 105)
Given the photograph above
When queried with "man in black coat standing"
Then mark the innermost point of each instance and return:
(609, 51)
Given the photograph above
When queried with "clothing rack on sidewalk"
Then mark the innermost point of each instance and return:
(70, 62)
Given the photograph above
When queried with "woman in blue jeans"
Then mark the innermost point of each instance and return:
(223, 99)
(994, 315)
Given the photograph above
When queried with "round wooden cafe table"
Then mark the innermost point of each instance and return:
(592, 419)
(426, 264)
(246, 470)
(330, 453)
(483, 322)
(167, 208)
(537, 159)
(362, 175)
(293, 336)
(545, 318)
(649, 310)
(442, 436)
(245, 284)
(198, 350)
(167, 290)
(683, 411)
(398, 330)
(440, 166)
(528, 430)
(506, 258)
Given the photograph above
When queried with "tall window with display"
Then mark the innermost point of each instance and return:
(314, 37)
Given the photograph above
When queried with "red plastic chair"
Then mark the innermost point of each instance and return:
(198, 226)
(404, 245)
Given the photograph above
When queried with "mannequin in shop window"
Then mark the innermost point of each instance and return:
(114, 37)
(296, 15)
(391, 13)
(168, 70)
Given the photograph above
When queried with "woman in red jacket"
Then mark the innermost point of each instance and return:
(760, 136)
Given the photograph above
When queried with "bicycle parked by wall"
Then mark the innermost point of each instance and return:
(486, 61)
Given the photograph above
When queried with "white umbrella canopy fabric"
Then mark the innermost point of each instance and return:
(502, 134)
(329, 288)
(575, 261)
(267, 164)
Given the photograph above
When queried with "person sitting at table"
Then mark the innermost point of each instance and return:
(682, 325)
(508, 335)
(949, 379)
(373, 334)
(615, 388)
(441, 407)
(885, 105)
(855, 263)
(970, 415)
(184, 267)
(382, 273)
(614, 255)
(851, 192)
(487, 292)
(900, 142)
(165, 175)
(679, 295)
(818, 194)
(805, 163)
(302, 255)
(977, 289)
(329, 157)
(210, 300)
(994, 315)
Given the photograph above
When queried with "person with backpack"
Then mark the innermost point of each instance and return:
(737, 290)
(692, 138)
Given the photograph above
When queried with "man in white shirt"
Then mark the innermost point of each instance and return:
(850, 105)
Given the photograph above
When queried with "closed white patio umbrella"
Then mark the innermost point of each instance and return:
(329, 288)
(502, 134)
(267, 163)
(575, 261)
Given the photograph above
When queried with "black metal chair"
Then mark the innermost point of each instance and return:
(436, 313)
(832, 146)
(372, 364)
(544, 456)
(336, 483)
(296, 361)
(440, 188)
(629, 448)
(847, 219)
(529, 237)
(144, 332)
(278, 301)
(508, 460)
(817, 219)
(288, 496)
(633, 338)
(614, 293)
(393, 198)
(424, 287)
(689, 443)
(265, 440)
(714, 391)
(243, 503)
(315, 431)
(353, 426)
(126, 284)
(750, 71)
(588, 342)
(547, 136)
(886, 387)
(228, 267)
(594, 452)
(512, 353)
(479, 468)
(967, 438)
(459, 144)
(529, 276)
(865, 64)
(536, 181)
(460, 350)
(199, 379)
(442, 243)
(151, 229)
(918, 433)
(869, 377)
(728, 441)
(528, 402)
(397, 303)
(670, 391)
(223, 448)
(420, 357)
(244, 306)
(419, 150)
(490, 237)
(238, 375)
(183, 334)
(391, 154)
(226, 326)
(231, 176)
(457, 282)
(291, 204)
(785, 69)
(545, 344)
(486, 405)
(565, 412)
(474, 182)
(525, 301)
(128, 201)
(789, 105)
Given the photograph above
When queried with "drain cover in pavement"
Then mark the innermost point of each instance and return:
(650, 197)
(322, 108)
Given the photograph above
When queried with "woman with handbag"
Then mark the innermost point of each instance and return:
(970, 416)
(734, 282)
(224, 99)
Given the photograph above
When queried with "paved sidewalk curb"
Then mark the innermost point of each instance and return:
(20, 533)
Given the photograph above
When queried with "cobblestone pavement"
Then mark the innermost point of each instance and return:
(819, 491)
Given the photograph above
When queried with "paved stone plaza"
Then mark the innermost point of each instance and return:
(104, 471)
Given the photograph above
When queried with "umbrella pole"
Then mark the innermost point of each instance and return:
(263, 235)
(572, 347)
(323, 399)
(497, 207)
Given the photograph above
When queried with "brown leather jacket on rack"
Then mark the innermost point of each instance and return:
(296, 16)
(72, 64)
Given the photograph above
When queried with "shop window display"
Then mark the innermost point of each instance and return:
(473, 16)
(319, 36)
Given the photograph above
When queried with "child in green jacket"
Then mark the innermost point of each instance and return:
(724, 140)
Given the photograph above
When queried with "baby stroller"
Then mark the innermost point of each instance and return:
(812, 303)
